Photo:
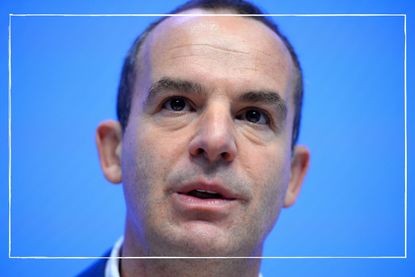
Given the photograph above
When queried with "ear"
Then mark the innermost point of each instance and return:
(108, 139)
(299, 166)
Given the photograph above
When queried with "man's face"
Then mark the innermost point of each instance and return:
(206, 155)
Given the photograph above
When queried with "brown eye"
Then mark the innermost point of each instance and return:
(177, 104)
(254, 116)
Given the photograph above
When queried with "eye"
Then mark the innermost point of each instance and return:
(177, 104)
(254, 116)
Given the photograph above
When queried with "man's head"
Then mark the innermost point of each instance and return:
(205, 151)
(128, 76)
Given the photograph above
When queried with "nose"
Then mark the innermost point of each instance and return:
(214, 139)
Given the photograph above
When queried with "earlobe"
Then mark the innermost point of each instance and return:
(299, 166)
(108, 139)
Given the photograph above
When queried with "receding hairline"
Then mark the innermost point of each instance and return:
(149, 35)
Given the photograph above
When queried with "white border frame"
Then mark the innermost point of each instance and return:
(11, 15)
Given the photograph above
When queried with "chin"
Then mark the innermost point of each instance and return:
(202, 239)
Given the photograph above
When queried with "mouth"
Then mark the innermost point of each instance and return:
(207, 192)
(204, 200)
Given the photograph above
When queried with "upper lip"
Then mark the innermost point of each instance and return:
(209, 186)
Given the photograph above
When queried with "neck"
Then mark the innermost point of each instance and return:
(203, 267)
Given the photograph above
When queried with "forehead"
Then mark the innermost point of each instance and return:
(236, 49)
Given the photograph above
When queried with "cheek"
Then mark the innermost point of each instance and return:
(267, 165)
(137, 166)
(276, 185)
(273, 200)
(160, 150)
(270, 175)
(148, 157)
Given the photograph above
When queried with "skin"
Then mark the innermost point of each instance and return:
(210, 139)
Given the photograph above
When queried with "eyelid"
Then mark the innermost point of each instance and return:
(171, 97)
(266, 114)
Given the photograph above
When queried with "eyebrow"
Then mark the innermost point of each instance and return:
(269, 98)
(167, 83)
(262, 96)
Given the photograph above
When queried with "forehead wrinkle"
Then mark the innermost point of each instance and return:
(213, 52)
(229, 58)
(216, 47)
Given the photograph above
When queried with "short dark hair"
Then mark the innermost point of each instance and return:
(128, 74)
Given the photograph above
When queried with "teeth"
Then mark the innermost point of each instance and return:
(205, 191)
(204, 194)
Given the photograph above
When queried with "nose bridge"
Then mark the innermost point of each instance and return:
(214, 138)
(216, 121)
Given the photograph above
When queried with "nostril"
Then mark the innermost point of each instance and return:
(199, 151)
(225, 156)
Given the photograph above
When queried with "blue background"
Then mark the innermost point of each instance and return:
(65, 73)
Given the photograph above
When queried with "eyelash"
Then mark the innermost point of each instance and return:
(263, 115)
(240, 116)
(186, 102)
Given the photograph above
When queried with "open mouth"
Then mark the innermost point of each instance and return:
(201, 199)
(209, 192)
(205, 194)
